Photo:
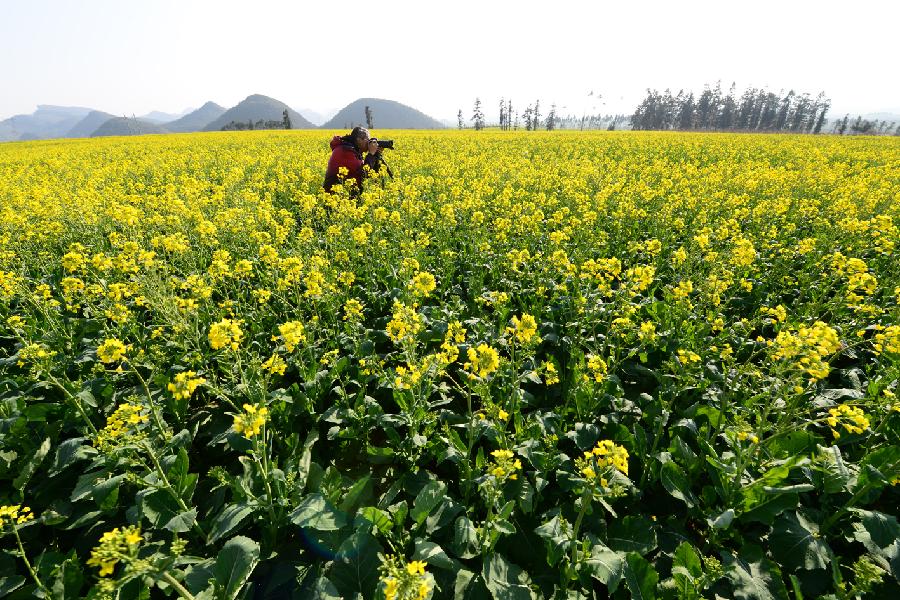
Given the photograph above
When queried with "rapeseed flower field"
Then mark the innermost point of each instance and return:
(543, 365)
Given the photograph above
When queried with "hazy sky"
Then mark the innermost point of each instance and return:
(133, 56)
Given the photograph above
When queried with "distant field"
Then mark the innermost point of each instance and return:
(532, 365)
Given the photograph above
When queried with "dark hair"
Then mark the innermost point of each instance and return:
(355, 133)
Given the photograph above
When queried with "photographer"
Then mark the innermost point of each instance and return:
(347, 152)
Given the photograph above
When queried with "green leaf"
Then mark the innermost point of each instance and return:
(796, 544)
(505, 580)
(379, 518)
(10, 584)
(632, 534)
(676, 483)
(722, 520)
(434, 555)
(770, 507)
(880, 466)
(69, 452)
(878, 532)
(182, 522)
(355, 569)
(606, 566)
(31, 466)
(316, 513)
(465, 538)
(355, 494)
(686, 562)
(754, 577)
(234, 565)
(640, 577)
(159, 507)
(427, 500)
(228, 520)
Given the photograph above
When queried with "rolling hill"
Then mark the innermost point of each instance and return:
(46, 122)
(256, 107)
(89, 124)
(387, 114)
(196, 120)
(125, 126)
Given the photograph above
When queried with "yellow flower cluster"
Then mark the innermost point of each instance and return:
(111, 351)
(777, 314)
(123, 427)
(226, 334)
(422, 284)
(401, 581)
(524, 329)
(851, 418)
(353, 310)
(405, 323)
(808, 347)
(250, 422)
(275, 365)
(15, 514)
(597, 367)
(597, 464)
(687, 357)
(505, 465)
(185, 384)
(34, 354)
(292, 334)
(887, 341)
(115, 546)
(483, 360)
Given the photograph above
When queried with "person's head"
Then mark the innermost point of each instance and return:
(359, 137)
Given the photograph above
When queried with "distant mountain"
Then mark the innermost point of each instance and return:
(386, 114)
(160, 117)
(125, 126)
(198, 119)
(47, 121)
(89, 124)
(257, 107)
(316, 117)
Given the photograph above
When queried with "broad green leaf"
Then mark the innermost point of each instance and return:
(228, 520)
(433, 554)
(234, 565)
(31, 466)
(880, 534)
(355, 569)
(723, 520)
(427, 500)
(316, 513)
(640, 577)
(69, 452)
(355, 494)
(676, 483)
(182, 522)
(606, 566)
(505, 580)
(753, 577)
(632, 534)
(379, 518)
(465, 538)
(796, 544)
(771, 506)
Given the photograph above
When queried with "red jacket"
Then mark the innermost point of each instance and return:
(344, 154)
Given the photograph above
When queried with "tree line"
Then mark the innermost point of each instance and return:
(756, 109)
(250, 125)
(532, 119)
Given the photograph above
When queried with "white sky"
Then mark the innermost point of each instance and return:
(133, 56)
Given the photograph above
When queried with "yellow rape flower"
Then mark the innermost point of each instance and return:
(226, 334)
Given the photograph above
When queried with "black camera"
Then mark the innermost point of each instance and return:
(388, 144)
